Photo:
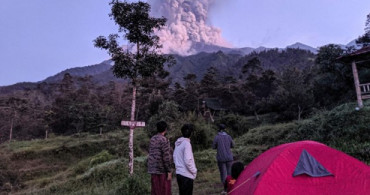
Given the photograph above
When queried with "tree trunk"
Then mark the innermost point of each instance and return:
(11, 130)
(256, 115)
(46, 133)
(131, 136)
(101, 131)
(299, 112)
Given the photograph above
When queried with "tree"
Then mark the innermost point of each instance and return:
(333, 80)
(365, 39)
(209, 83)
(191, 100)
(294, 95)
(253, 66)
(16, 105)
(257, 89)
(138, 27)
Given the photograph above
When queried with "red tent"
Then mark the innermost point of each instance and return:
(304, 167)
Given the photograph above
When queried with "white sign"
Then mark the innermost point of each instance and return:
(133, 123)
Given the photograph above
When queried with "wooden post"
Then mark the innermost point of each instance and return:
(357, 85)
(132, 125)
(131, 135)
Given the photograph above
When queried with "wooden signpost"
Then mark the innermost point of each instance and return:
(132, 125)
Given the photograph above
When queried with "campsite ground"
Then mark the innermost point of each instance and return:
(94, 164)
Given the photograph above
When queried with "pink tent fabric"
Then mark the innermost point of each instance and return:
(272, 172)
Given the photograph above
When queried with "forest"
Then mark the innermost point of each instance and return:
(288, 85)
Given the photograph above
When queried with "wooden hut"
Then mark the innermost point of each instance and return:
(210, 108)
(359, 58)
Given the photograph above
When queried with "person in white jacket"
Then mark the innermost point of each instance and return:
(183, 157)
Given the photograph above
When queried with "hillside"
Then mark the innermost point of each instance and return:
(93, 70)
(94, 164)
(223, 59)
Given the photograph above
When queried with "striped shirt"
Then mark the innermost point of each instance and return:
(223, 143)
(160, 157)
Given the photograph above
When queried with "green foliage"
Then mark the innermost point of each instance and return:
(137, 184)
(168, 111)
(93, 164)
(204, 132)
(103, 156)
(237, 124)
(343, 128)
(85, 164)
(293, 97)
(246, 154)
(332, 80)
(365, 39)
(270, 135)
(133, 19)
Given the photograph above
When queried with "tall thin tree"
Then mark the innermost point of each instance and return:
(144, 60)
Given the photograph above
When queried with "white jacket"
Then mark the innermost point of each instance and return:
(184, 159)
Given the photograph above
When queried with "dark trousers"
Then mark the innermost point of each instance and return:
(225, 169)
(160, 184)
(185, 185)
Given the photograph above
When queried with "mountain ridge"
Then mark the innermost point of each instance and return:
(101, 72)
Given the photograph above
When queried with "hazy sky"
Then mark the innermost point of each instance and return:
(39, 38)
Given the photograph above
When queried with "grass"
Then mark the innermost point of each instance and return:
(94, 164)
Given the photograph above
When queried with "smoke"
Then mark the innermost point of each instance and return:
(186, 25)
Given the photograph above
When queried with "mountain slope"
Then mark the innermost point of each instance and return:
(91, 70)
(302, 46)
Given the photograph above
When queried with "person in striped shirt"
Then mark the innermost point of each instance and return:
(160, 161)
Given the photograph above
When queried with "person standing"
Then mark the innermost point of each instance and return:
(160, 161)
(223, 144)
(183, 157)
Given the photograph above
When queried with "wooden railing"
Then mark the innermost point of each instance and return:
(365, 90)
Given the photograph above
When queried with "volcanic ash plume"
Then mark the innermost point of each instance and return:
(186, 25)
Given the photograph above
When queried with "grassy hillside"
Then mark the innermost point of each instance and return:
(342, 128)
(93, 164)
(88, 164)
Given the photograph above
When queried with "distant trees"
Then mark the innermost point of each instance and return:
(332, 79)
(294, 96)
(287, 85)
(365, 39)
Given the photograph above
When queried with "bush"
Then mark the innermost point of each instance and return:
(270, 135)
(239, 125)
(136, 184)
(103, 156)
(342, 128)
(169, 112)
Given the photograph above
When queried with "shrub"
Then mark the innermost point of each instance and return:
(136, 184)
(103, 156)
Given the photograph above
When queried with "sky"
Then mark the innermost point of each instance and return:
(40, 38)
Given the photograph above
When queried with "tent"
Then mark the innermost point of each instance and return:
(304, 167)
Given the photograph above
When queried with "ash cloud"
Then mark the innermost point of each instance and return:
(187, 25)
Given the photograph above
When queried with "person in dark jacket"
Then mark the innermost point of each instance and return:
(223, 143)
(160, 161)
